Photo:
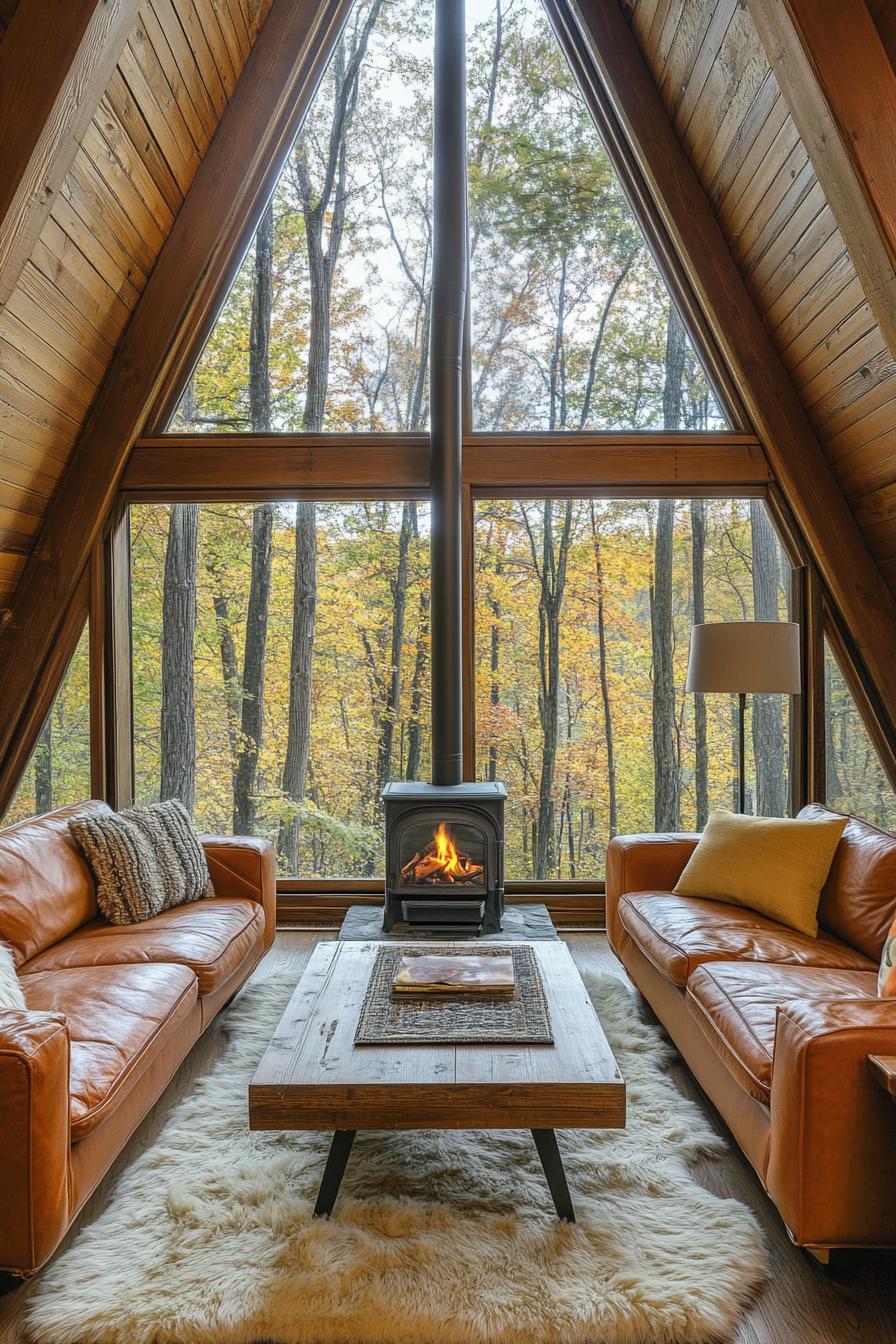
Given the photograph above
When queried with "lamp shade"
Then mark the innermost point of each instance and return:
(760, 657)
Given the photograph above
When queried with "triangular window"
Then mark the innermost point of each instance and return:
(855, 778)
(326, 327)
(573, 327)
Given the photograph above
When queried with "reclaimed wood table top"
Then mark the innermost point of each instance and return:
(313, 1076)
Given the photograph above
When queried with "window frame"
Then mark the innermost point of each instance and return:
(176, 468)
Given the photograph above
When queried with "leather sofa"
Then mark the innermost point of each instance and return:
(777, 1026)
(111, 1013)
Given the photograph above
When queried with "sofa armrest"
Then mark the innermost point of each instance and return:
(35, 1145)
(643, 863)
(832, 1154)
(242, 865)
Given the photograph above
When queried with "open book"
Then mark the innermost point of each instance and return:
(465, 974)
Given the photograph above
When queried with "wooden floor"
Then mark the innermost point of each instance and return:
(799, 1304)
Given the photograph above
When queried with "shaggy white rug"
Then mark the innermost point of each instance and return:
(437, 1237)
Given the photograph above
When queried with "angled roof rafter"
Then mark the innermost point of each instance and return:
(840, 86)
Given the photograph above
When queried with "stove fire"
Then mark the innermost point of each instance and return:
(444, 858)
(441, 861)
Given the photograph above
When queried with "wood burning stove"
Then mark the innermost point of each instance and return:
(445, 857)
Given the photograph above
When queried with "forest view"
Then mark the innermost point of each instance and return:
(583, 613)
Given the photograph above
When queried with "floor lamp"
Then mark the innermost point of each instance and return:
(745, 658)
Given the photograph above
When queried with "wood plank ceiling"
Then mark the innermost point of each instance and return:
(729, 113)
(101, 240)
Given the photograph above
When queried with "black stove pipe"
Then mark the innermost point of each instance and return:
(449, 295)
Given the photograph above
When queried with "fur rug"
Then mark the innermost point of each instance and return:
(437, 1237)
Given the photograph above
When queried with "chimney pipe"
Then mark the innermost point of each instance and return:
(449, 295)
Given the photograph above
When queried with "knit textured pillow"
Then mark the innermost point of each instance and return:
(11, 995)
(144, 860)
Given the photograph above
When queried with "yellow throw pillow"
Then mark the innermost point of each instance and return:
(770, 864)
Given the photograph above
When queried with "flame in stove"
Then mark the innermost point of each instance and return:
(440, 861)
(447, 856)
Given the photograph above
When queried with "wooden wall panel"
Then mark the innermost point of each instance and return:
(107, 226)
(728, 111)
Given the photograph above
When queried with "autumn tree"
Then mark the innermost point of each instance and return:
(323, 210)
(665, 755)
(768, 727)
(178, 712)
(698, 607)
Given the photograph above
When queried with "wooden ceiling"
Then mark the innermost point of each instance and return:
(728, 110)
(96, 226)
(100, 240)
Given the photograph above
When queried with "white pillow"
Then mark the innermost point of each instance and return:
(11, 995)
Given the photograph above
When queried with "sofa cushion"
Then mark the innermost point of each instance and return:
(774, 865)
(46, 888)
(679, 933)
(118, 1018)
(736, 1004)
(144, 860)
(211, 937)
(858, 900)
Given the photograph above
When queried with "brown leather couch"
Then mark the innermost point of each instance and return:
(111, 1012)
(776, 1026)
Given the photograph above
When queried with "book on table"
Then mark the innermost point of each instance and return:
(433, 974)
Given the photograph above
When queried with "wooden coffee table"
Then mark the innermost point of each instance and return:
(313, 1077)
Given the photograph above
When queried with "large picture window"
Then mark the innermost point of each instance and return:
(281, 669)
(583, 617)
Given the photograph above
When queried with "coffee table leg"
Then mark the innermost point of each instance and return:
(546, 1143)
(334, 1171)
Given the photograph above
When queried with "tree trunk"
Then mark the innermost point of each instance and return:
(245, 776)
(494, 694)
(768, 727)
(552, 575)
(665, 764)
(178, 727)
(833, 786)
(421, 658)
(603, 675)
(389, 717)
(701, 750)
(325, 207)
(43, 767)
(304, 618)
(229, 671)
(665, 761)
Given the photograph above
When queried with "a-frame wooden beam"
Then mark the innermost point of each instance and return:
(840, 86)
(636, 116)
(56, 58)
(221, 211)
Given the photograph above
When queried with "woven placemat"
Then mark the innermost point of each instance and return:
(392, 1019)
